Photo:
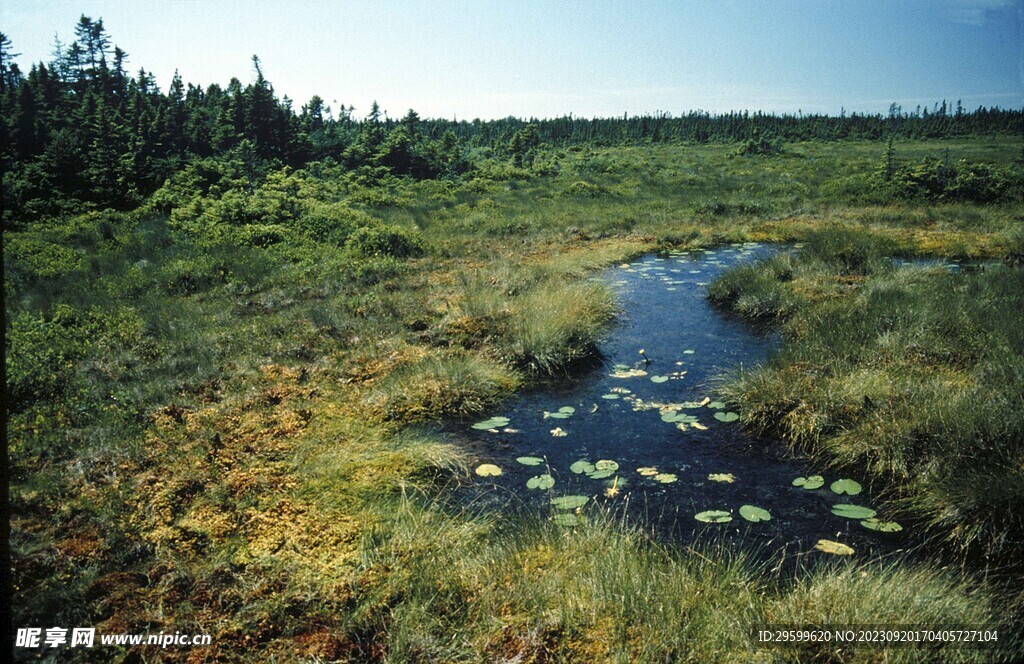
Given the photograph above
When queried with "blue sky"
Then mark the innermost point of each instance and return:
(597, 58)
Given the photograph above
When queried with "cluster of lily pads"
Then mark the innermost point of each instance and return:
(603, 469)
(493, 424)
(668, 271)
(867, 516)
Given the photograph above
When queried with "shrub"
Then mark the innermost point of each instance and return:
(42, 353)
(332, 224)
(759, 144)
(939, 180)
(385, 241)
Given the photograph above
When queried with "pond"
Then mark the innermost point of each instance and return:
(642, 434)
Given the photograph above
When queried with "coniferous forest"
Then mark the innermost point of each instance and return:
(91, 130)
(319, 384)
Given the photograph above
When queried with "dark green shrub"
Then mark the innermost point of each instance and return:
(332, 224)
(759, 144)
(962, 181)
(385, 241)
(42, 353)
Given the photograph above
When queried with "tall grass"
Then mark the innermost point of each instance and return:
(476, 587)
(912, 374)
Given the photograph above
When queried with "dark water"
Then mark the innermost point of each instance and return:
(664, 311)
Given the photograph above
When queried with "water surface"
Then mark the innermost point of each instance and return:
(665, 313)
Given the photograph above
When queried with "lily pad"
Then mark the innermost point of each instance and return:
(647, 471)
(716, 405)
(853, 511)
(713, 516)
(882, 526)
(626, 372)
(689, 351)
(698, 426)
(609, 396)
(488, 470)
(659, 379)
(665, 478)
(812, 482)
(567, 519)
(837, 548)
(606, 464)
(722, 477)
(582, 467)
(726, 417)
(848, 487)
(530, 461)
(493, 423)
(754, 514)
(562, 413)
(541, 482)
(601, 474)
(569, 502)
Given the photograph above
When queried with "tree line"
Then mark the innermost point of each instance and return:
(81, 131)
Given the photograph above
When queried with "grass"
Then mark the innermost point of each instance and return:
(911, 374)
(219, 436)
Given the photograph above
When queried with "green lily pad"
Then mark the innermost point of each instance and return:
(488, 470)
(567, 519)
(659, 379)
(716, 405)
(647, 471)
(853, 511)
(609, 396)
(569, 502)
(754, 514)
(557, 416)
(492, 423)
(530, 461)
(713, 516)
(567, 410)
(726, 417)
(812, 482)
(665, 478)
(882, 526)
(837, 548)
(689, 352)
(541, 482)
(728, 478)
(606, 464)
(582, 467)
(600, 474)
(848, 487)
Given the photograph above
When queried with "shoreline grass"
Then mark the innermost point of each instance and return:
(911, 374)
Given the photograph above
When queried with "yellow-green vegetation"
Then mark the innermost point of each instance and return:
(215, 401)
(912, 373)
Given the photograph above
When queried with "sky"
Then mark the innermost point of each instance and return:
(598, 58)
